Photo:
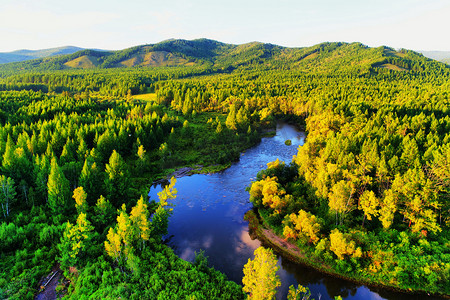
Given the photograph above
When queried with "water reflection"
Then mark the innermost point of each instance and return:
(209, 212)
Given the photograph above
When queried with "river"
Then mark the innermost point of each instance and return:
(209, 214)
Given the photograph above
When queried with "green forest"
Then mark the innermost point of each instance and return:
(83, 136)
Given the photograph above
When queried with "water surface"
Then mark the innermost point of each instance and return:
(209, 214)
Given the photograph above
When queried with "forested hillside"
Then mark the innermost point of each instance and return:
(366, 195)
(220, 57)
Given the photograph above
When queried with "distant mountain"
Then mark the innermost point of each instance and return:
(22, 55)
(443, 56)
(222, 57)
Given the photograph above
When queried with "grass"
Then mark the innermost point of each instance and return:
(145, 97)
(392, 67)
(83, 62)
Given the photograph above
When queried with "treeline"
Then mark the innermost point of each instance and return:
(105, 83)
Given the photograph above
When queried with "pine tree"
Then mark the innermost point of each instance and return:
(117, 178)
(58, 190)
(8, 157)
(41, 172)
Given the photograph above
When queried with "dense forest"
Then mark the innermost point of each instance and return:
(84, 135)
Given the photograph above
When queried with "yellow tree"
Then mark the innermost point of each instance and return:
(125, 230)
(141, 157)
(299, 293)
(113, 245)
(340, 199)
(103, 206)
(305, 224)
(169, 192)
(369, 204)
(341, 245)
(418, 199)
(119, 239)
(260, 278)
(231, 118)
(268, 192)
(140, 218)
(160, 220)
(80, 197)
(388, 208)
(132, 229)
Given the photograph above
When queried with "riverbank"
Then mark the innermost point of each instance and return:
(297, 255)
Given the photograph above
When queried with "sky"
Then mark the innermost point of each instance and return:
(119, 24)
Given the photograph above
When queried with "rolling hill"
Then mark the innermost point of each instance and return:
(23, 55)
(443, 56)
(325, 57)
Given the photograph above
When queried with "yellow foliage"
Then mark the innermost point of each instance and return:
(269, 190)
(102, 203)
(77, 234)
(289, 233)
(80, 198)
(139, 217)
(256, 189)
(388, 208)
(303, 224)
(129, 230)
(275, 164)
(113, 244)
(369, 203)
(264, 113)
(341, 246)
(260, 279)
(125, 230)
(340, 196)
(141, 152)
(169, 192)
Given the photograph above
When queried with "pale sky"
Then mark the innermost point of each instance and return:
(119, 24)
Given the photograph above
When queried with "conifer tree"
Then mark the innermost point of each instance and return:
(231, 118)
(117, 178)
(58, 190)
(8, 157)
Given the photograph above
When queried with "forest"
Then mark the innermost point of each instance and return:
(366, 195)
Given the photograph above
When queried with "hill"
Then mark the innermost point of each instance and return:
(443, 56)
(23, 55)
(325, 57)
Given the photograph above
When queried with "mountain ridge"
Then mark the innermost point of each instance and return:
(26, 54)
(324, 57)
